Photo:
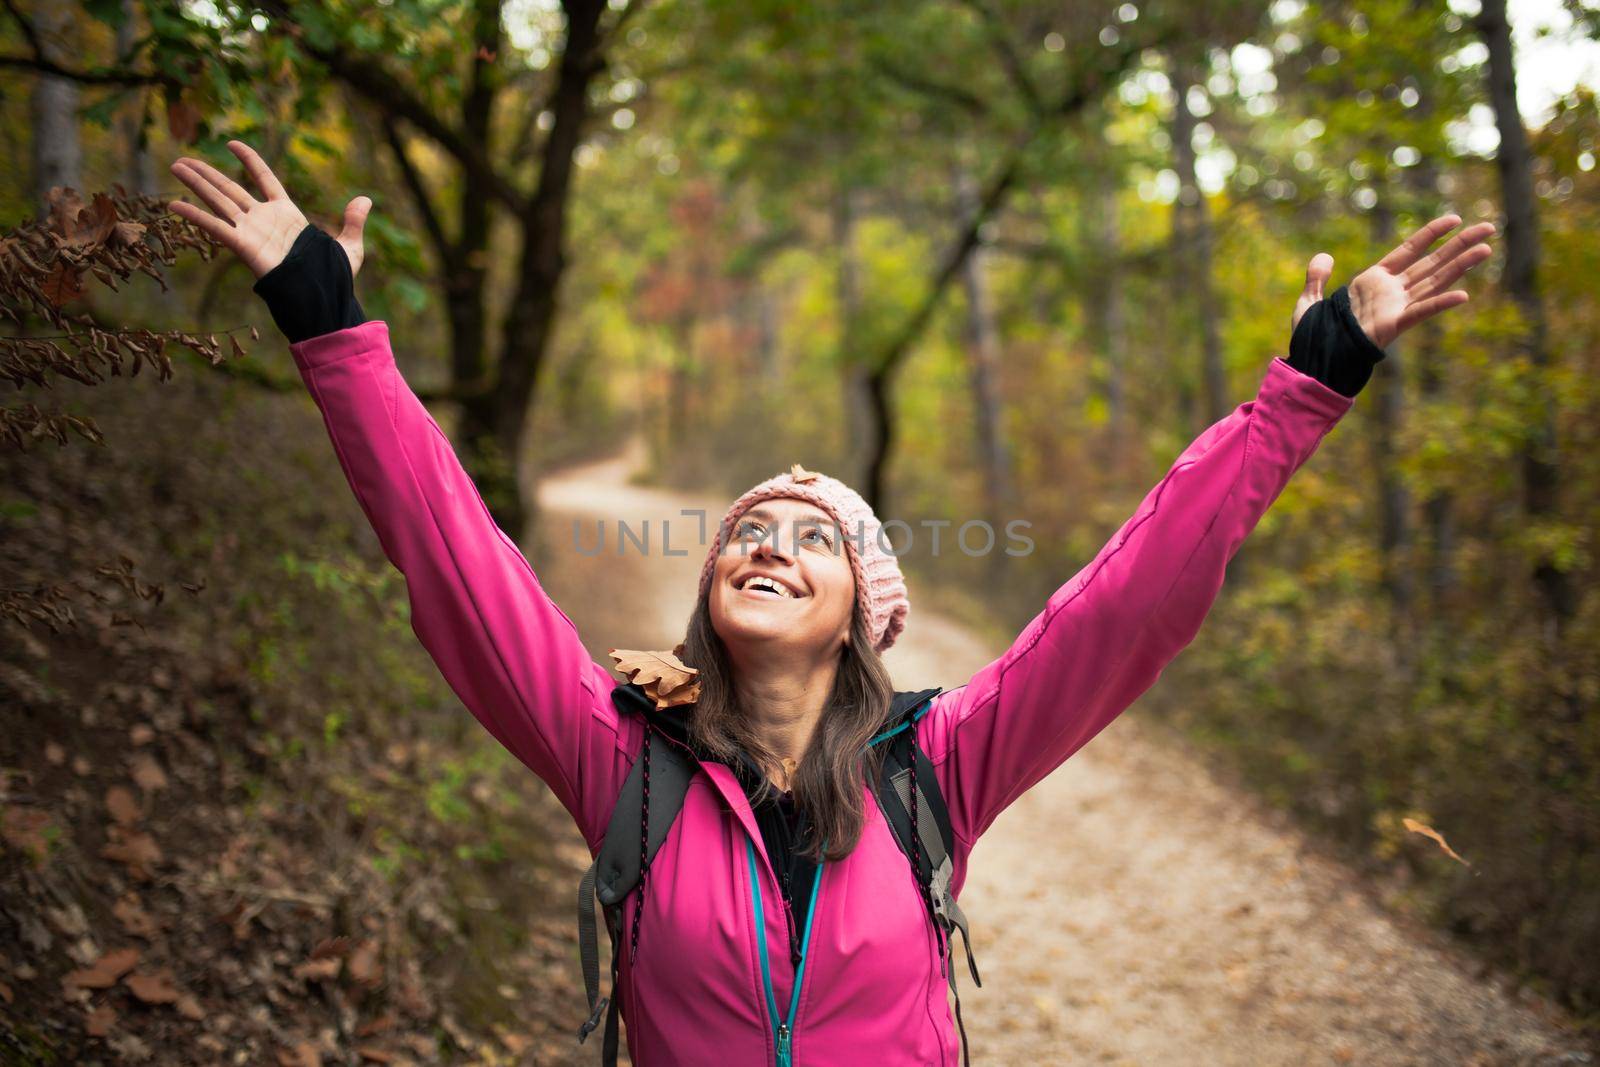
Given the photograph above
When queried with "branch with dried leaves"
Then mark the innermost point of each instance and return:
(43, 268)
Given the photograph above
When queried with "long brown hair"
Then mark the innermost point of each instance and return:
(834, 770)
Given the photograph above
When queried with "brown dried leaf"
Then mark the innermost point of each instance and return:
(1427, 831)
(148, 773)
(156, 988)
(106, 970)
(332, 946)
(665, 678)
(373, 1054)
(304, 1054)
(134, 919)
(24, 830)
(142, 733)
(190, 1008)
(138, 851)
(319, 970)
(100, 1021)
(365, 967)
(123, 806)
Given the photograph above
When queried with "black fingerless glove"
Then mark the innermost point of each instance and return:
(1330, 345)
(312, 292)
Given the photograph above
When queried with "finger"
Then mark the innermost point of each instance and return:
(355, 216)
(225, 208)
(220, 231)
(1423, 310)
(1446, 276)
(226, 185)
(1472, 236)
(258, 170)
(1411, 249)
(1318, 271)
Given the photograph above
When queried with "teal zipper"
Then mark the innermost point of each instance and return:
(782, 1030)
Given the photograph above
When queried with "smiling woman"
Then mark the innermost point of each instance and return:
(784, 922)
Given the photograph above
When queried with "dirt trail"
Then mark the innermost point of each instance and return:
(1130, 909)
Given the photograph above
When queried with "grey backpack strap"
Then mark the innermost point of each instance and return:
(616, 870)
(929, 830)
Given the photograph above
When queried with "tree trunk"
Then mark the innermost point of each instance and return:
(1193, 239)
(57, 152)
(1514, 161)
(855, 381)
(983, 356)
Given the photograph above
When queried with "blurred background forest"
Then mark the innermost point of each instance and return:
(982, 259)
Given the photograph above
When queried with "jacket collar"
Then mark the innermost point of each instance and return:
(672, 722)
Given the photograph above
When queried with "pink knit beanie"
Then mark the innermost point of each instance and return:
(880, 587)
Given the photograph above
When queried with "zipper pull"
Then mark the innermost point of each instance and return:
(783, 1045)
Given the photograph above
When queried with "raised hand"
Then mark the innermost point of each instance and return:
(259, 232)
(1409, 285)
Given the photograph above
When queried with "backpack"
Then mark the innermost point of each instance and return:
(616, 869)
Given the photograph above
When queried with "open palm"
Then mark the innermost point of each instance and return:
(259, 232)
(1409, 285)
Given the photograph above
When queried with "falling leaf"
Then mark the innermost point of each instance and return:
(100, 1021)
(665, 678)
(1427, 831)
(156, 988)
(106, 970)
(148, 773)
(122, 805)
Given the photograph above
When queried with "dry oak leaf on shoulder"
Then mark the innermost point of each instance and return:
(665, 678)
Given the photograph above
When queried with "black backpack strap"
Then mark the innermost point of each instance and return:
(617, 869)
(931, 860)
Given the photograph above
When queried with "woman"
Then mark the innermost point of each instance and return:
(732, 966)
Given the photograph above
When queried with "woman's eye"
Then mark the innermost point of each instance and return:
(821, 537)
(746, 528)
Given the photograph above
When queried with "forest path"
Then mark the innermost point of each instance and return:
(1130, 909)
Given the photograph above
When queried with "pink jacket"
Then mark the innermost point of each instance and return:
(872, 989)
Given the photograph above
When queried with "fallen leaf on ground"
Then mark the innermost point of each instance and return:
(147, 772)
(106, 970)
(138, 851)
(55, 754)
(365, 968)
(100, 1021)
(190, 1008)
(156, 988)
(319, 970)
(1427, 831)
(304, 1054)
(24, 830)
(134, 919)
(122, 805)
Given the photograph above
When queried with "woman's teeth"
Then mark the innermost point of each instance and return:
(770, 586)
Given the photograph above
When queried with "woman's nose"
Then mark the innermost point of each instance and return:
(771, 546)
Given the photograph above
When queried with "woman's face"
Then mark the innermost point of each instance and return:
(797, 545)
